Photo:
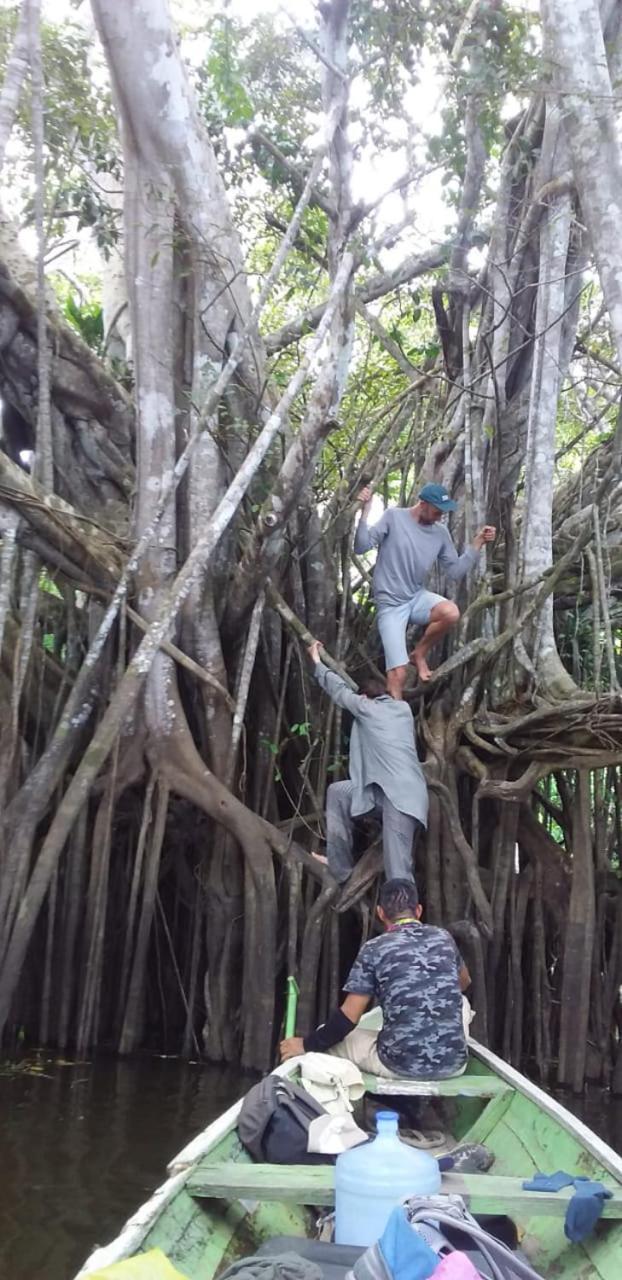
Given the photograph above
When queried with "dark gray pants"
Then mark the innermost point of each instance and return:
(398, 833)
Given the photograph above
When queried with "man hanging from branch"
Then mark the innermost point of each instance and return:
(410, 541)
(386, 777)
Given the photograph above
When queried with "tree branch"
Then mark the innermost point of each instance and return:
(14, 77)
(376, 287)
(389, 344)
(299, 629)
(296, 174)
(95, 552)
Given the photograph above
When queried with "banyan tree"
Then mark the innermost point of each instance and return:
(249, 262)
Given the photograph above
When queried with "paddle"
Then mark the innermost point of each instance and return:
(292, 991)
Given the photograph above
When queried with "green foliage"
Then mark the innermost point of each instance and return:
(300, 730)
(258, 70)
(88, 319)
(548, 787)
(282, 76)
(499, 58)
(80, 132)
(222, 94)
(338, 765)
(275, 750)
(48, 585)
(252, 72)
(79, 199)
(84, 313)
(578, 644)
(389, 40)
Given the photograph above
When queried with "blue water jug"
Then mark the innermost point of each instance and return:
(372, 1178)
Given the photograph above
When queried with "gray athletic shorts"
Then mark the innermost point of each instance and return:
(394, 619)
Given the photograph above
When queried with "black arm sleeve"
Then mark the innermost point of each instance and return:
(336, 1028)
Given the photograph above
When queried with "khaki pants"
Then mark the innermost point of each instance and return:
(359, 1047)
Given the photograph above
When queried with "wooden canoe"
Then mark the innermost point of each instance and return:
(216, 1205)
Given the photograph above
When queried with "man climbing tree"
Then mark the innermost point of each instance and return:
(244, 302)
(410, 541)
(385, 776)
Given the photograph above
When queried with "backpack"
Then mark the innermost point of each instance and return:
(464, 1233)
(442, 1224)
(274, 1120)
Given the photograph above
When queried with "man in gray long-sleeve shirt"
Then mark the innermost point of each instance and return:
(385, 776)
(410, 541)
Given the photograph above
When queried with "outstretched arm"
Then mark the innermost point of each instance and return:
(365, 538)
(334, 686)
(457, 567)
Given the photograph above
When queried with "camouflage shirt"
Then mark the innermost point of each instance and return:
(412, 972)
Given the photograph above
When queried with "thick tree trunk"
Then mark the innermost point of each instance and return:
(158, 104)
(581, 79)
(14, 77)
(555, 273)
(578, 946)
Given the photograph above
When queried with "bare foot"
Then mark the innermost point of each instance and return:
(423, 670)
(320, 857)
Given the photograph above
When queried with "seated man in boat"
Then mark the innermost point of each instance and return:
(410, 541)
(386, 777)
(416, 974)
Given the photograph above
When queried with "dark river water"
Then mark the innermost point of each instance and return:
(83, 1144)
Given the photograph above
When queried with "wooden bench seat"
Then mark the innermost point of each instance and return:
(493, 1193)
(291, 1183)
(314, 1184)
(456, 1087)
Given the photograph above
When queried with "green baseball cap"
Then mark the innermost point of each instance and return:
(437, 496)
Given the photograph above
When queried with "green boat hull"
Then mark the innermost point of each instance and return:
(217, 1205)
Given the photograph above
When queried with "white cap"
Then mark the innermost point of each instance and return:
(330, 1135)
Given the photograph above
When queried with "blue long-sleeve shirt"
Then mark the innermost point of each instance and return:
(407, 552)
(382, 748)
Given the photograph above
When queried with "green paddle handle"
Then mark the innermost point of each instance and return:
(291, 1005)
